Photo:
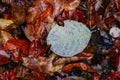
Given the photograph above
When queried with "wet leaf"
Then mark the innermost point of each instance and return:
(38, 76)
(40, 64)
(8, 75)
(38, 47)
(84, 67)
(69, 40)
(98, 61)
(17, 48)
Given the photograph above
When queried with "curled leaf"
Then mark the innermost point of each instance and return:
(38, 47)
(4, 23)
(58, 6)
(81, 56)
(72, 4)
(17, 48)
(117, 16)
(8, 75)
(5, 36)
(82, 66)
(40, 64)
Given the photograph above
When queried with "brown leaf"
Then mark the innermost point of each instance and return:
(5, 36)
(18, 14)
(4, 57)
(38, 10)
(37, 29)
(40, 64)
(79, 57)
(117, 2)
(82, 66)
(8, 75)
(72, 4)
(38, 47)
(18, 48)
(100, 23)
(58, 6)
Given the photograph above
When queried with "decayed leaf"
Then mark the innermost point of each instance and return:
(44, 12)
(82, 56)
(40, 64)
(70, 39)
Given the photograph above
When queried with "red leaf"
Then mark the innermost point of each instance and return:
(18, 48)
(38, 75)
(96, 77)
(109, 20)
(38, 47)
(117, 44)
(77, 15)
(41, 64)
(82, 66)
(13, 44)
(80, 15)
(8, 75)
(118, 62)
(114, 75)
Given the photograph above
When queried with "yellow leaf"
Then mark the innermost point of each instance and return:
(5, 36)
(4, 23)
